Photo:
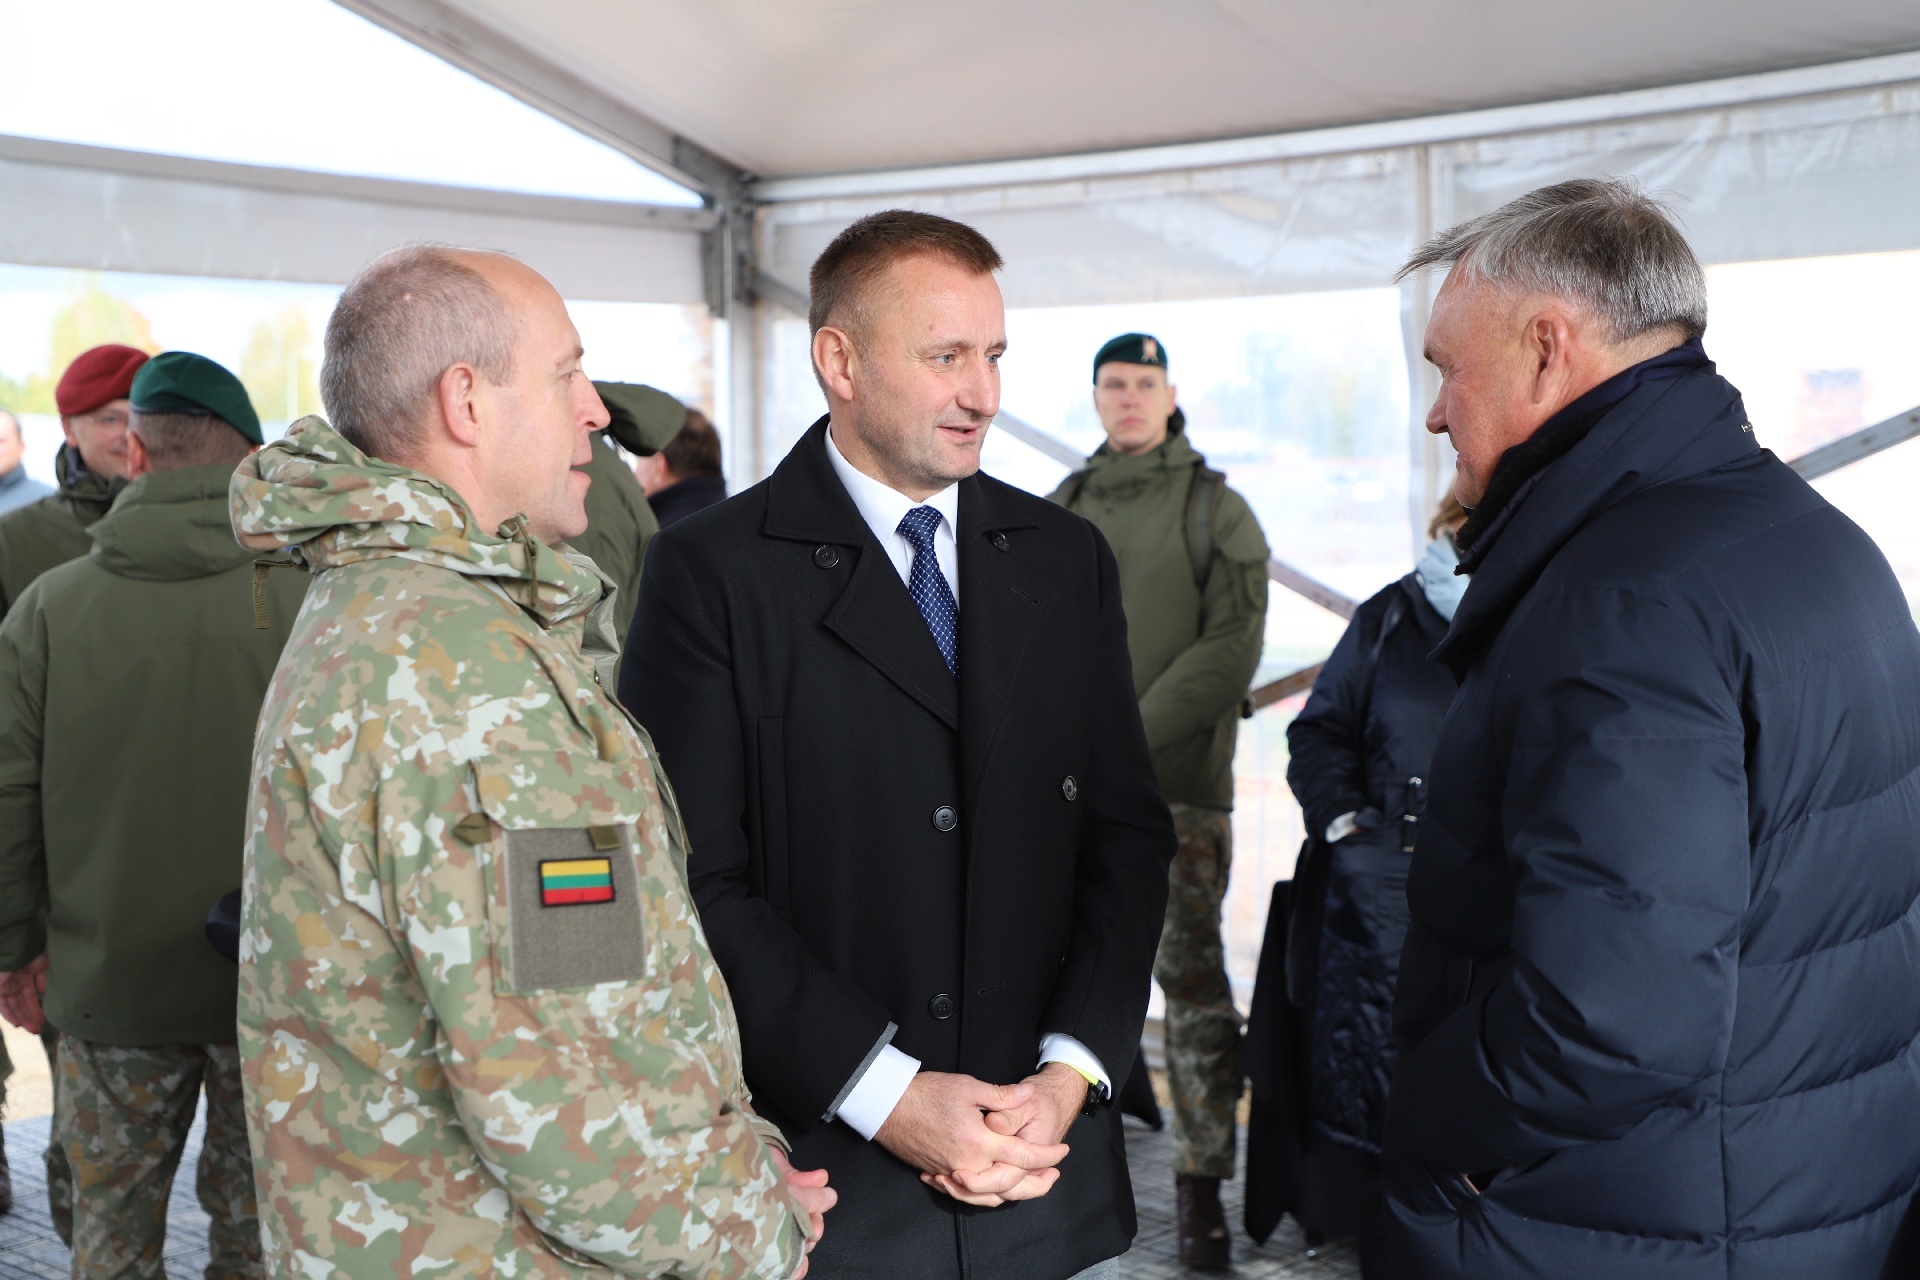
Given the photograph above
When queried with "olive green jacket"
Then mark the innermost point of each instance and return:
(130, 681)
(619, 526)
(52, 531)
(1194, 649)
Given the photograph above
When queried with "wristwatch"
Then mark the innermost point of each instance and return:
(1098, 1095)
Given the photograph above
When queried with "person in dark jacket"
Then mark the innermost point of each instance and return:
(895, 699)
(1361, 750)
(684, 477)
(1659, 1004)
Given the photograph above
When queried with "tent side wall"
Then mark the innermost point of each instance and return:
(95, 207)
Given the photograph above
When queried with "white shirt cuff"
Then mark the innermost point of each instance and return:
(877, 1092)
(1059, 1047)
(1342, 827)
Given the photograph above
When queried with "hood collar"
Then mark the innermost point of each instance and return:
(331, 505)
(1663, 430)
(168, 526)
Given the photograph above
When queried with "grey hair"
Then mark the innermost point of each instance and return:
(6, 416)
(408, 317)
(1601, 242)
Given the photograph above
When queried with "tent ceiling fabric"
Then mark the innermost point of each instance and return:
(761, 84)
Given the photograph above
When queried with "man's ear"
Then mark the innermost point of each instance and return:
(139, 462)
(66, 425)
(455, 396)
(836, 360)
(1549, 348)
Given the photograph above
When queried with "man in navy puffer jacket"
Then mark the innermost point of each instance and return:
(1658, 1005)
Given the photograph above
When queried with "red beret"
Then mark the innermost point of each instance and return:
(96, 377)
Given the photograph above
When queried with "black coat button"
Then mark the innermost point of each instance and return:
(1069, 788)
(941, 1006)
(999, 540)
(945, 819)
(826, 557)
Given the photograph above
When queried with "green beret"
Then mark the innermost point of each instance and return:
(644, 418)
(182, 382)
(1131, 348)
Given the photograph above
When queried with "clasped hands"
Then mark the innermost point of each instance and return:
(986, 1144)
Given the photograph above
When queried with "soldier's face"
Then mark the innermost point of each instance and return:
(1134, 402)
(915, 390)
(101, 438)
(548, 412)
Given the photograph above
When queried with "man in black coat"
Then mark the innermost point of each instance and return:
(1659, 1000)
(895, 699)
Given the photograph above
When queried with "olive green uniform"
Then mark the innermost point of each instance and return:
(1195, 646)
(130, 681)
(620, 522)
(34, 539)
(52, 531)
(619, 526)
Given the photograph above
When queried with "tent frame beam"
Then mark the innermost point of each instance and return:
(480, 51)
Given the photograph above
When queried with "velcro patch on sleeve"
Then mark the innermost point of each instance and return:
(575, 914)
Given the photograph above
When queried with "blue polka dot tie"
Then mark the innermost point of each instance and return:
(928, 586)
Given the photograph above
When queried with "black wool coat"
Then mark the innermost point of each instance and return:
(1364, 744)
(1661, 992)
(822, 752)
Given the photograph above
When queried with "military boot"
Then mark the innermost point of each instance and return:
(1205, 1243)
(6, 1177)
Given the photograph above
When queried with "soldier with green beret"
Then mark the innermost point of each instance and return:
(619, 521)
(1193, 579)
(130, 681)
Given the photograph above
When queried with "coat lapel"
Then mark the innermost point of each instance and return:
(874, 614)
(1001, 605)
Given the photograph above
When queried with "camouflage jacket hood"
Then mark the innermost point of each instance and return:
(316, 494)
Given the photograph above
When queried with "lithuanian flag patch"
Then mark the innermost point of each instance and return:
(573, 881)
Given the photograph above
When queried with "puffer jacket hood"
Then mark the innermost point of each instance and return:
(330, 505)
(169, 526)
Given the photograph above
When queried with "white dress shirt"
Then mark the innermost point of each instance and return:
(875, 1094)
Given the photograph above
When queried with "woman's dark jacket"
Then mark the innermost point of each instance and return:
(1364, 738)
(1661, 990)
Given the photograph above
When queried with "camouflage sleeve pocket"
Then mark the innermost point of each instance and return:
(575, 916)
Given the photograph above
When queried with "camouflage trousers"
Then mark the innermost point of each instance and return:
(122, 1115)
(1203, 1027)
(59, 1179)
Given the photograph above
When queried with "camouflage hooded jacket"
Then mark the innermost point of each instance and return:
(482, 1030)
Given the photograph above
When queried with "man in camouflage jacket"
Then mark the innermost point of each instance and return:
(482, 1031)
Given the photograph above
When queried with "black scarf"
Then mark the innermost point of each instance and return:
(1519, 465)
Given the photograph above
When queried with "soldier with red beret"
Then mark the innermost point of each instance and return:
(92, 467)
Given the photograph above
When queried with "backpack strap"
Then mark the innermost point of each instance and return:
(1203, 499)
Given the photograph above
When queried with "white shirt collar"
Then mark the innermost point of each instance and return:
(882, 506)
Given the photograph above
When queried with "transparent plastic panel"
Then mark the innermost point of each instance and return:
(300, 84)
(1337, 222)
(270, 333)
(1832, 174)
